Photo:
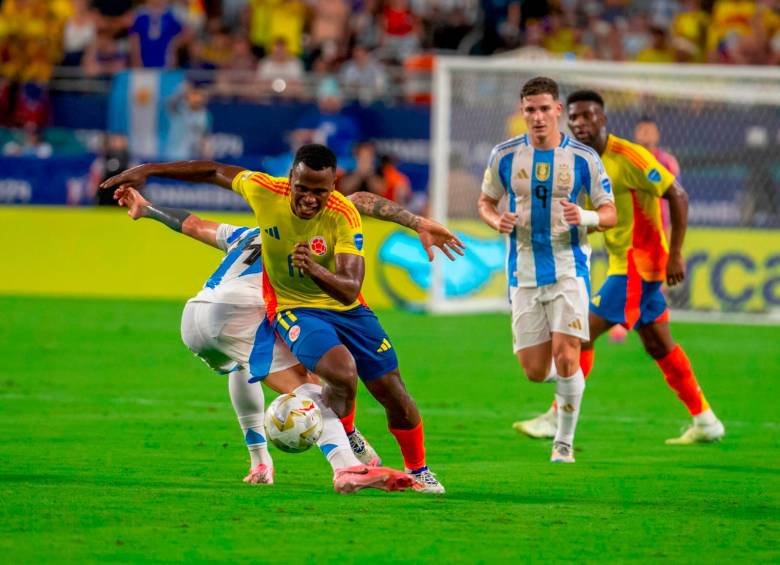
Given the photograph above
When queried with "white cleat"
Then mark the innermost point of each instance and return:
(562, 453)
(543, 426)
(366, 454)
(426, 481)
(699, 433)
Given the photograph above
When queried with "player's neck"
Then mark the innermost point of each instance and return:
(546, 143)
(600, 144)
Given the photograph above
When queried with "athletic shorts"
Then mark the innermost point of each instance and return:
(312, 332)
(228, 337)
(632, 303)
(559, 307)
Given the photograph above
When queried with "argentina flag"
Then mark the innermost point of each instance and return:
(137, 108)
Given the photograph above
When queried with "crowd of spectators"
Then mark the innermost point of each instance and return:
(332, 51)
(275, 47)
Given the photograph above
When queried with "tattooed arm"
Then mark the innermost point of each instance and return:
(431, 233)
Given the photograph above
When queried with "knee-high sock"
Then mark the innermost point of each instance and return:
(568, 395)
(333, 442)
(248, 402)
(679, 376)
(586, 361)
(412, 444)
(348, 421)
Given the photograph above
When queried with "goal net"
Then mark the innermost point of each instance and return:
(722, 124)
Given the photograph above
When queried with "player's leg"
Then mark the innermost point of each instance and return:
(248, 402)
(288, 374)
(678, 373)
(378, 369)
(567, 312)
(206, 330)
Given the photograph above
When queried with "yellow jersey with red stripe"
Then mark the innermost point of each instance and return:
(637, 243)
(337, 228)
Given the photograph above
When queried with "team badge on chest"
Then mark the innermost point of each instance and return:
(318, 245)
(542, 171)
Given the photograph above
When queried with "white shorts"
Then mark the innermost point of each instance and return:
(223, 336)
(560, 307)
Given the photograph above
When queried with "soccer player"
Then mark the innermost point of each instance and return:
(312, 274)
(640, 260)
(546, 175)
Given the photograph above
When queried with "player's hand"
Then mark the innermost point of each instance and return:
(675, 269)
(506, 223)
(134, 178)
(131, 199)
(571, 213)
(434, 234)
(301, 257)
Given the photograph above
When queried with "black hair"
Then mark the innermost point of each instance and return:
(585, 96)
(646, 119)
(315, 156)
(540, 85)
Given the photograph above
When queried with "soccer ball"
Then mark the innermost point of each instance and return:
(293, 423)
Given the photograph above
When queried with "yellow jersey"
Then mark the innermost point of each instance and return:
(337, 228)
(637, 243)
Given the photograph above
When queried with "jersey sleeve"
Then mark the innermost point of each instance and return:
(256, 184)
(349, 232)
(491, 182)
(228, 234)
(600, 189)
(647, 174)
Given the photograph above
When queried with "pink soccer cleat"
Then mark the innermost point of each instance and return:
(353, 479)
(260, 474)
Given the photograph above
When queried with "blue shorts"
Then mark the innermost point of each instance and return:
(631, 302)
(312, 332)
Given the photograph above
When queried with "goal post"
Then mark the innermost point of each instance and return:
(721, 123)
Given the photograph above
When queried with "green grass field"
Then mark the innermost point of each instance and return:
(117, 445)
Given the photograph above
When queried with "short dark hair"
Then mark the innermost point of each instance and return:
(585, 96)
(315, 156)
(539, 85)
(645, 119)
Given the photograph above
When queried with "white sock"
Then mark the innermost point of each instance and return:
(568, 394)
(706, 418)
(248, 402)
(552, 376)
(333, 442)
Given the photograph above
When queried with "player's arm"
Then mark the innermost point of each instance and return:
(209, 172)
(344, 285)
(602, 218)
(488, 211)
(177, 219)
(431, 233)
(677, 198)
(599, 191)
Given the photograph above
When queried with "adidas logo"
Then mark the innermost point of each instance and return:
(273, 232)
(522, 174)
(576, 324)
(385, 346)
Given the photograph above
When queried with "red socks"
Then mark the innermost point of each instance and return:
(348, 421)
(412, 444)
(586, 361)
(679, 376)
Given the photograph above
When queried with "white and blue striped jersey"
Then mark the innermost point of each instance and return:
(543, 247)
(238, 279)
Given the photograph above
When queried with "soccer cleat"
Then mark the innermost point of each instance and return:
(260, 474)
(543, 426)
(699, 433)
(562, 453)
(359, 477)
(366, 454)
(426, 481)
